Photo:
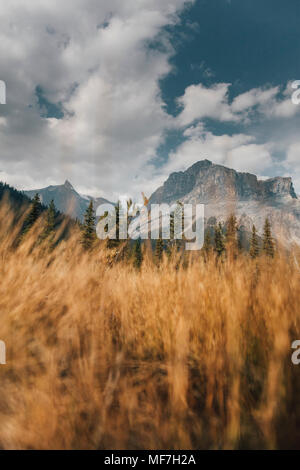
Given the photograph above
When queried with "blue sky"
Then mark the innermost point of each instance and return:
(114, 96)
(246, 43)
(249, 44)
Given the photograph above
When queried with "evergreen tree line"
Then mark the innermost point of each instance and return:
(50, 220)
(226, 240)
(16, 197)
(223, 240)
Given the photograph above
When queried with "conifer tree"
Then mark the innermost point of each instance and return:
(181, 208)
(171, 244)
(268, 242)
(172, 226)
(231, 237)
(219, 240)
(174, 242)
(159, 248)
(35, 211)
(50, 220)
(254, 245)
(137, 254)
(231, 232)
(88, 228)
(114, 243)
(207, 242)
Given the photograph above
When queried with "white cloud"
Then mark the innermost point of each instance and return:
(200, 102)
(237, 151)
(293, 156)
(92, 56)
(292, 162)
(254, 97)
(252, 158)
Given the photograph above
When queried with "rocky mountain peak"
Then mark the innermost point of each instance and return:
(68, 185)
(280, 186)
(206, 182)
(224, 191)
(67, 199)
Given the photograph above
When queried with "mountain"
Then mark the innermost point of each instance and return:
(67, 199)
(19, 203)
(205, 182)
(14, 197)
(225, 191)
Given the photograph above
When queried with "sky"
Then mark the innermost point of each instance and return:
(115, 95)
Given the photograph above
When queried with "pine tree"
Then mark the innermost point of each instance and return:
(88, 228)
(231, 232)
(114, 243)
(172, 226)
(181, 208)
(219, 240)
(231, 237)
(207, 246)
(159, 248)
(268, 243)
(35, 211)
(254, 245)
(172, 244)
(137, 254)
(50, 220)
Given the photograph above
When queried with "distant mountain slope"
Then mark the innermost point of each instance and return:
(224, 191)
(66, 199)
(19, 203)
(15, 197)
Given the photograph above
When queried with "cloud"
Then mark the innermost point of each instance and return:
(95, 61)
(200, 102)
(100, 64)
(293, 155)
(254, 97)
(201, 144)
(239, 151)
(267, 102)
(252, 158)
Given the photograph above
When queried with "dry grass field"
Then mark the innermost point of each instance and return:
(103, 356)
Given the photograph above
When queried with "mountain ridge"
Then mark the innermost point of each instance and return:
(224, 191)
(218, 182)
(66, 199)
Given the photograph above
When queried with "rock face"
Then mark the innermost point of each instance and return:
(225, 191)
(205, 182)
(66, 199)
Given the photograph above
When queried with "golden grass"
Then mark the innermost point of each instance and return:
(102, 356)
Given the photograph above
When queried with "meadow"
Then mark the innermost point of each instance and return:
(101, 355)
